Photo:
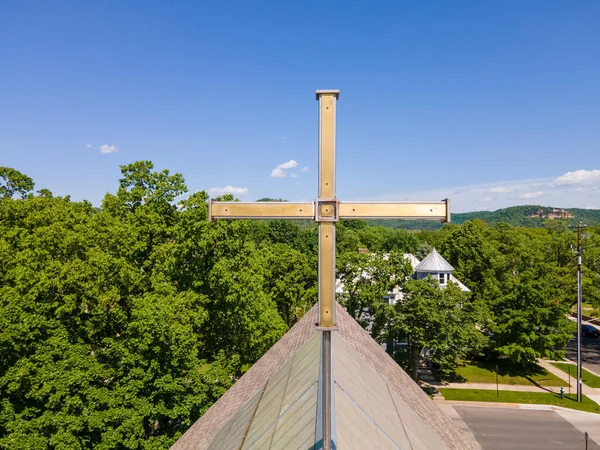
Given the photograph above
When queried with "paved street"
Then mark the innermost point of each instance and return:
(514, 428)
(590, 353)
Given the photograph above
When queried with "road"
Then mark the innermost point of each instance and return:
(590, 353)
(513, 428)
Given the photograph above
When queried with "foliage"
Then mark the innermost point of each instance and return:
(290, 281)
(525, 286)
(441, 321)
(366, 279)
(268, 199)
(121, 324)
(14, 182)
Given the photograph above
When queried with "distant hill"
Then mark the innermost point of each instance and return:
(521, 216)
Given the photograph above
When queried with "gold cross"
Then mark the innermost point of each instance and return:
(327, 209)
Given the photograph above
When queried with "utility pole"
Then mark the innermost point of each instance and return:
(580, 228)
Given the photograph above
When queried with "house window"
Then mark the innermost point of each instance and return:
(389, 299)
(442, 278)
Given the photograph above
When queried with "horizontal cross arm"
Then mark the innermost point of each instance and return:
(396, 210)
(260, 210)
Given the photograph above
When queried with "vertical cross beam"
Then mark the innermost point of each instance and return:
(326, 214)
(327, 207)
(326, 211)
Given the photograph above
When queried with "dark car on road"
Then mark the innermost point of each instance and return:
(589, 331)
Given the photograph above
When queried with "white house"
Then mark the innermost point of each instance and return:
(433, 265)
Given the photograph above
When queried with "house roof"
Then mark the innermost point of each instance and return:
(434, 262)
(275, 405)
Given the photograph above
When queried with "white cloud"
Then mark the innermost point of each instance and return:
(293, 175)
(474, 197)
(579, 189)
(108, 148)
(304, 169)
(88, 146)
(578, 177)
(501, 190)
(531, 194)
(279, 171)
(288, 165)
(216, 191)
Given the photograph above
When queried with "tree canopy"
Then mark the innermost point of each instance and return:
(121, 324)
(14, 182)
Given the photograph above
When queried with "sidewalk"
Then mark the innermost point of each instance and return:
(501, 387)
(592, 393)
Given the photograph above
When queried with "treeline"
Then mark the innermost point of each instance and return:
(529, 216)
(121, 324)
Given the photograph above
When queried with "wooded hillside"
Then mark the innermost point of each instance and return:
(529, 216)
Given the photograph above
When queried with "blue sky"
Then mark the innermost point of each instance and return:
(489, 103)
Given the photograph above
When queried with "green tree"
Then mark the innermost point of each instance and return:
(441, 321)
(366, 280)
(290, 281)
(347, 240)
(14, 182)
(243, 317)
(400, 241)
(468, 251)
(103, 344)
(529, 321)
(520, 281)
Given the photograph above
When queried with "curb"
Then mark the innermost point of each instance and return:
(477, 404)
(524, 406)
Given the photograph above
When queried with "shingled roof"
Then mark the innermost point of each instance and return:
(274, 405)
(434, 262)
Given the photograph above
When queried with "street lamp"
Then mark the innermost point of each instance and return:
(580, 227)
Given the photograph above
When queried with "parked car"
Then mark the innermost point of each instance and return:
(589, 331)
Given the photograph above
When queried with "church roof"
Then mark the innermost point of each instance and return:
(434, 262)
(276, 404)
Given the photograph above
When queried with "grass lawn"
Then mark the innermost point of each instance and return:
(538, 398)
(484, 372)
(587, 309)
(587, 378)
